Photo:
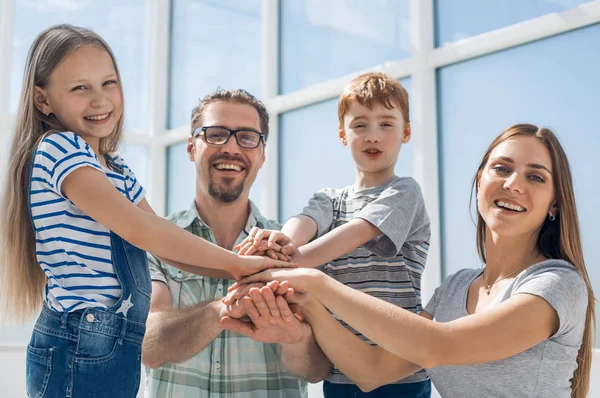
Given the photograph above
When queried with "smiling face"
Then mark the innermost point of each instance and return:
(374, 137)
(84, 94)
(226, 172)
(515, 187)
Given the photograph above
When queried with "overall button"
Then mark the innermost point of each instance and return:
(90, 318)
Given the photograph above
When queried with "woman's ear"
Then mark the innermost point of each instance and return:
(40, 100)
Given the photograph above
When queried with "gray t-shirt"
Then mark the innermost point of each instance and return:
(388, 267)
(544, 370)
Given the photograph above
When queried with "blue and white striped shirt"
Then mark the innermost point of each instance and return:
(74, 250)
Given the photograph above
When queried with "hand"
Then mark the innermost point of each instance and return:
(302, 280)
(272, 319)
(265, 239)
(278, 289)
(235, 310)
(248, 265)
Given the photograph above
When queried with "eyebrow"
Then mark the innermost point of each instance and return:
(378, 117)
(531, 165)
(82, 80)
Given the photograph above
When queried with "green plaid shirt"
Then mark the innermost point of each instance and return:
(233, 365)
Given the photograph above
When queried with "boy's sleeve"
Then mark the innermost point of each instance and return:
(320, 209)
(431, 306)
(135, 190)
(58, 155)
(399, 213)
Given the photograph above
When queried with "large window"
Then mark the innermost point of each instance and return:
(123, 24)
(549, 83)
(311, 156)
(214, 44)
(321, 40)
(459, 19)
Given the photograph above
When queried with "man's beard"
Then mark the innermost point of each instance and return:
(225, 193)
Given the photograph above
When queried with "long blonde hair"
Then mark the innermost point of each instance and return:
(558, 239)
(22, 280)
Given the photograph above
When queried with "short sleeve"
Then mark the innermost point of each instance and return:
(58, 155)
(135, 190)
(320, 209)
(431, 306)
(561, 285)
(399, 213)
(157, 273)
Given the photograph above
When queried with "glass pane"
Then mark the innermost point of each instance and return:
(124, 26)
(314, 130)
(321, 40)
(214, 44)
(458, 19)
(181, 180)
(474, 108)
(136, 157)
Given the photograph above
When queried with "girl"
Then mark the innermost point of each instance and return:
(75, 224)
(521, 326)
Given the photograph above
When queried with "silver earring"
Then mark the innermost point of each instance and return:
(552, 217)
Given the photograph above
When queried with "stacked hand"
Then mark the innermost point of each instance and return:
(272, 243)
(272, 319)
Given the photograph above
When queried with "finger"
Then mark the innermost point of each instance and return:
(295, 308)
(273, 285)
(284, 309)
(282, 288)
(246, 240)
(243, 250)
(288, 249)
(260, 304)
(271, 253)
(252, 233)
(269, 298)
(230, 297)
(246, 289)
(251, 310)
(237, 326)
(275, 246)
(261, 234)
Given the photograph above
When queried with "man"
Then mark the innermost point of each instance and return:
(186, 348)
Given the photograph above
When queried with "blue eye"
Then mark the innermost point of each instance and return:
(536, 178)
(501, 169)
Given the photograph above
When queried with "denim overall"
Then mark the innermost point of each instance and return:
(94, 352)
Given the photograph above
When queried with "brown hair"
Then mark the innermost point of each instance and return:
(22, 280)
(241, 97)
(558, 239)
(370, 89)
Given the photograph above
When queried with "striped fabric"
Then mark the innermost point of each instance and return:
(233, 365)
(74, 250)
(390, 266)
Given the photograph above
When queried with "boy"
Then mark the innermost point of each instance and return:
(374, 235)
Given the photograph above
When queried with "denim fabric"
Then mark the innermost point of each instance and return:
(420, 389)
(94, 352)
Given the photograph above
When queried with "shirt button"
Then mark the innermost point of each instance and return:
(217, 366)
(90, 318)
(179, 274)
(220, 286)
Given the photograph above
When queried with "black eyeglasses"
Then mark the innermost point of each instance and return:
(218, 135)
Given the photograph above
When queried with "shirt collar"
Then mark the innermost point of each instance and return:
(255, 219)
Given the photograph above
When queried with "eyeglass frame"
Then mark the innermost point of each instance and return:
(202, 131)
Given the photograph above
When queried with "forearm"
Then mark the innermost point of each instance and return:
(166, 240)
(361, 362)
(394, 329)
(210, 272)
(305, 359)
(173, 336)
(336, 243)
(300, 229)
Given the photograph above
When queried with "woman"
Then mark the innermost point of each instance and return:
(531, 308)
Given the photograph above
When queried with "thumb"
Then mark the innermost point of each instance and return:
(235, 325)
